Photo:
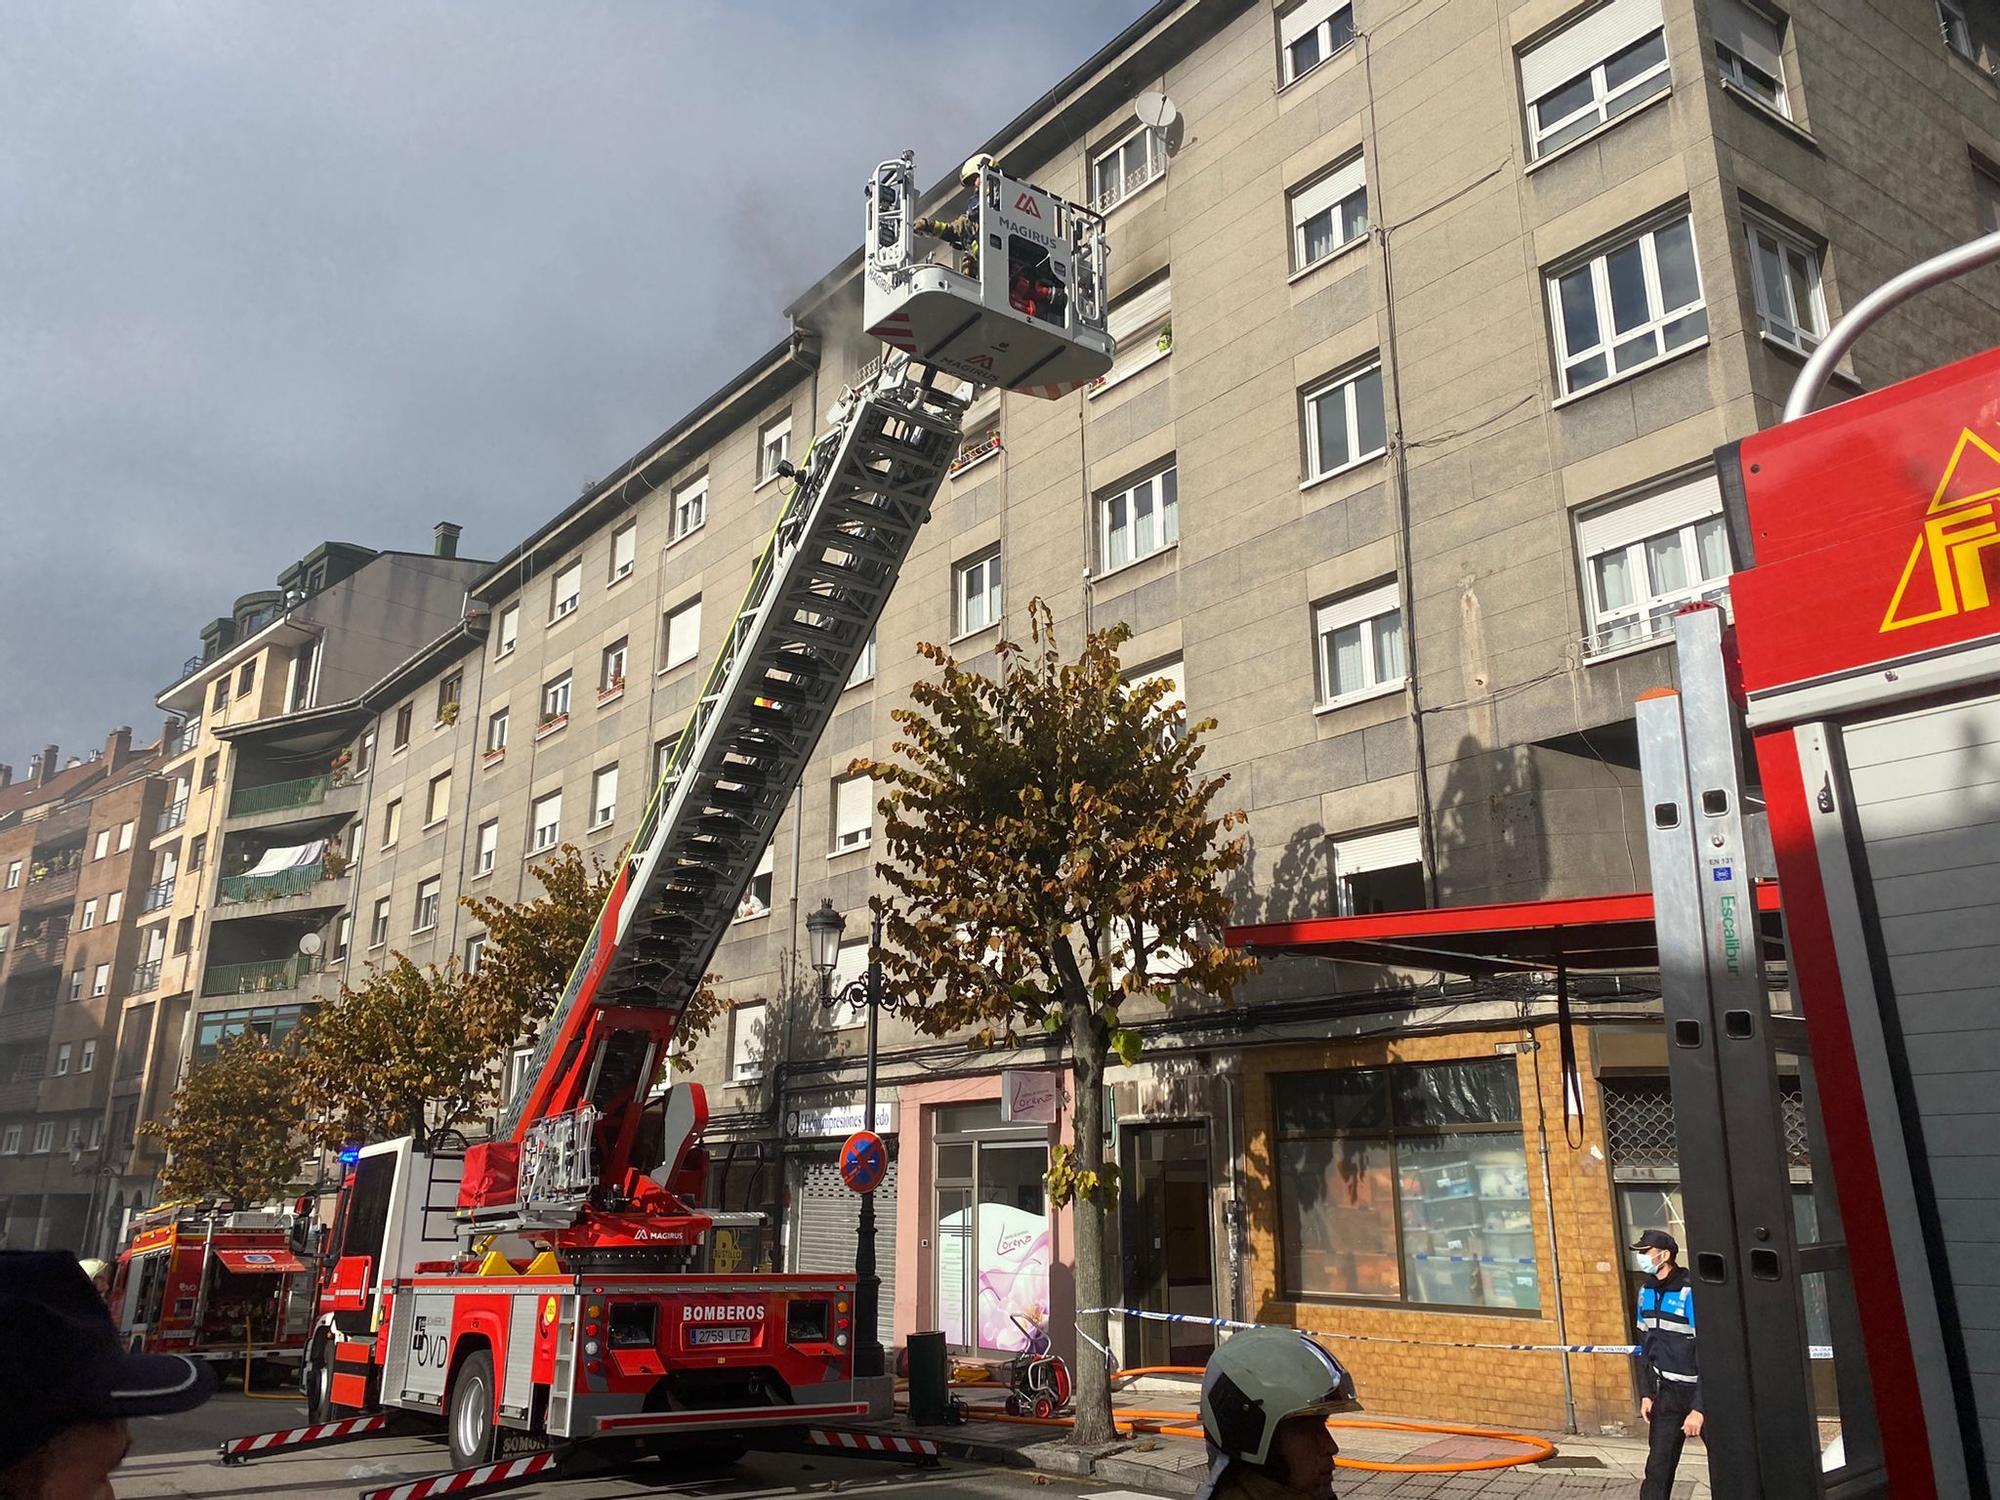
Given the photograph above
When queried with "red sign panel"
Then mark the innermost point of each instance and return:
(1876, 525)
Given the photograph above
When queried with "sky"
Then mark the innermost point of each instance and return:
(278, 274)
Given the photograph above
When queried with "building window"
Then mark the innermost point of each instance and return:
(1647, 556)
(624, 550)
(496, 731)
(89, 918)
(1309, 34)
(1405, 1184)
(1955, 26)
(1627, 307)
(1379, 871)
(114, 907)
(1343, 422)
(343, 935)
(183, 936)
(76, 984)
(663, 755)
(450, 691)
(1329, 213)
(1139, 520)
(399, 739)
(101, 847)
(475, 949)
(756, 900)
(364, 753)
(5, 930)
(1750, 52)
(864, 664)
(378, 926)
(429, 893)
(87, 1059)
(221, 692)
(45, 1137)
(197, 852)
(611, 668)
(1172, 707)
(555, 699)
(1360, 644)
(690, 506)
(680, 635)
(853, 813)
(1986, 196)
(566, 592)
(488, 848)
(437, 801)
(1142, 326)
(508, 633)
(124, 837)
(273, 1023)
(545, 823)
(246, 678)
(10, 1141)
(1128, 164)
(1592, 71)
(603, 796)
(774, 446)
(100, 982)
(975, 593)
(1791, 304)
(62, 1060)
(746, 1043)
(13, 874)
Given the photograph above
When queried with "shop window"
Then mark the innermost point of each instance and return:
(992, 1245)
(1405, 1184)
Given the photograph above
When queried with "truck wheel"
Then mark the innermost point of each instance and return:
(319, 1382)
(469, 1424)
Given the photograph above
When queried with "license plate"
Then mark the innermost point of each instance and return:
(719, 1335)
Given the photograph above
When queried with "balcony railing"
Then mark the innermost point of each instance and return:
(44, 949)
(50, 882)
(293, 882)
(172, 817)
(158, 896)
(20, 1022)
(184, 740)
(307, 791)
(275, 974)
(144, 978)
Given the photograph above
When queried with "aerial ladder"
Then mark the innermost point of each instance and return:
(543, 1288)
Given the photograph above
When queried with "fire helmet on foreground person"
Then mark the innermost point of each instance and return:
(1265, 1397)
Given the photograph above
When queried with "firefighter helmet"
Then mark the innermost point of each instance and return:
(1262, 1376)
(974, 165)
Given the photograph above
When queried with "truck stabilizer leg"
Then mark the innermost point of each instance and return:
(243, 1449)
(481, 1479)
(855, 1444)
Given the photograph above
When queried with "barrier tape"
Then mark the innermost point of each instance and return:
(1477, 1260)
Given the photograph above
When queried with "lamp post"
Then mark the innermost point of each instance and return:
(823, 930)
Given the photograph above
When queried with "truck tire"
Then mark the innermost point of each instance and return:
(469, 1426)
(318, 1381)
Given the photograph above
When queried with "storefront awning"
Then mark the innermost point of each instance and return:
(258, 1262)
(1601, 933)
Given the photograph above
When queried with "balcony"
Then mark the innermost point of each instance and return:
(158, 896)
(43, 951)
(297, 881)
(188, 737)
(279, 796)
(172, 817)
(20, 1096)
(144, 978)
(27, 1023)
(51, 882)
(265, 976)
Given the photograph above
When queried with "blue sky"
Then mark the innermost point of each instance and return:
(274, 274)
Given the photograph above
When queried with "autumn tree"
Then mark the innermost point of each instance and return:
(234, 1130)
(1055, 860)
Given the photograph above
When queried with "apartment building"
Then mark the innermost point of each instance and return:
(71, 842)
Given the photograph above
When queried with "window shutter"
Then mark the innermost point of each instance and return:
(1584, 43)
(1317, 196)
(1300, 19)
(1634, 520)
(1364, 605)
(1750, 34)
(1382, 850)
(1141, 309)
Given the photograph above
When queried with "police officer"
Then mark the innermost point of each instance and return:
(962, 233)
(1265, 1398)
(1667, 1369)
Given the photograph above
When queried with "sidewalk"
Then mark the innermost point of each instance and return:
(1171, 1466)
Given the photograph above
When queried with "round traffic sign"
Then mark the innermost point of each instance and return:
(864, 1161)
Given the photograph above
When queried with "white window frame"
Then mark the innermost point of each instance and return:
(114, 907)
(497, 724)
(392, 822)
(1328, 192)
(1152, 167)
(690, 506)
(749, 908)
(612, 662)
(990, 598)
(10, 1141)
(746, 1052)
(663, 753)
(603, 810)
(556, 699)
(86, 1058)
(509, 632)
(124, 837)
(1159, 493)
(680, 634)
(1173, 722)
(378, 923)
(853, 827)
(101, 848)
(14, 875)
(1784, 324)
(475, 950)
(864, 664)
(1583, 49)
(1392, 848)
(430, 892)
(1366, 608)
(624, 550)
(1684, 506)
(1955, 26)
(545, 817)
(63, 1051)
(433, 814)
(1315, 18)
(775, 434)
(1750, 47)
(89, 917)
(1645, 236)
(486, 851)
(1344, 387)
(1140, 323)
(45, 1137)
(566, 590)
(100, 981)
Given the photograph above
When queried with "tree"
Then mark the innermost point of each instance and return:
(412, 1051)
(234, 1129)
(1055, 860)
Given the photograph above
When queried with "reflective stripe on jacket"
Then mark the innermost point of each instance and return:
(1666, 1334)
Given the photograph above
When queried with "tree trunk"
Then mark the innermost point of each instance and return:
(1088, 1043)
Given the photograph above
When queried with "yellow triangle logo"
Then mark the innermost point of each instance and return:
(1946, 571)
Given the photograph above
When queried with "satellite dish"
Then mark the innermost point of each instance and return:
(310, 944)
(1155, 109)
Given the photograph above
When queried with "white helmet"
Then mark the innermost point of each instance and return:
(1262, 1376)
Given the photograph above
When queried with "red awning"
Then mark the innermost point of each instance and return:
(258, 1262)
(1585, 932)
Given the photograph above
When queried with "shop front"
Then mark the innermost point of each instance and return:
(825, 1214)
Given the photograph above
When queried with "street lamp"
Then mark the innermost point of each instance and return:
(823, 930)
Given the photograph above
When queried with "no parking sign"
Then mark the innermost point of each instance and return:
(864, 1161)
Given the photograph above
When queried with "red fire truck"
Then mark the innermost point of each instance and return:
(212, 1284)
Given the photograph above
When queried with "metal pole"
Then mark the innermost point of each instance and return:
(867, 1285)
(1549, 1203)
(1896, 290)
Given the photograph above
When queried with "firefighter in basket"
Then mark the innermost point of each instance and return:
(962, 233)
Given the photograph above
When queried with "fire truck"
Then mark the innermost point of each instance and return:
(211, 1283)
(550, 1286)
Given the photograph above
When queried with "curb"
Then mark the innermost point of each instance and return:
(1060, 1458)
